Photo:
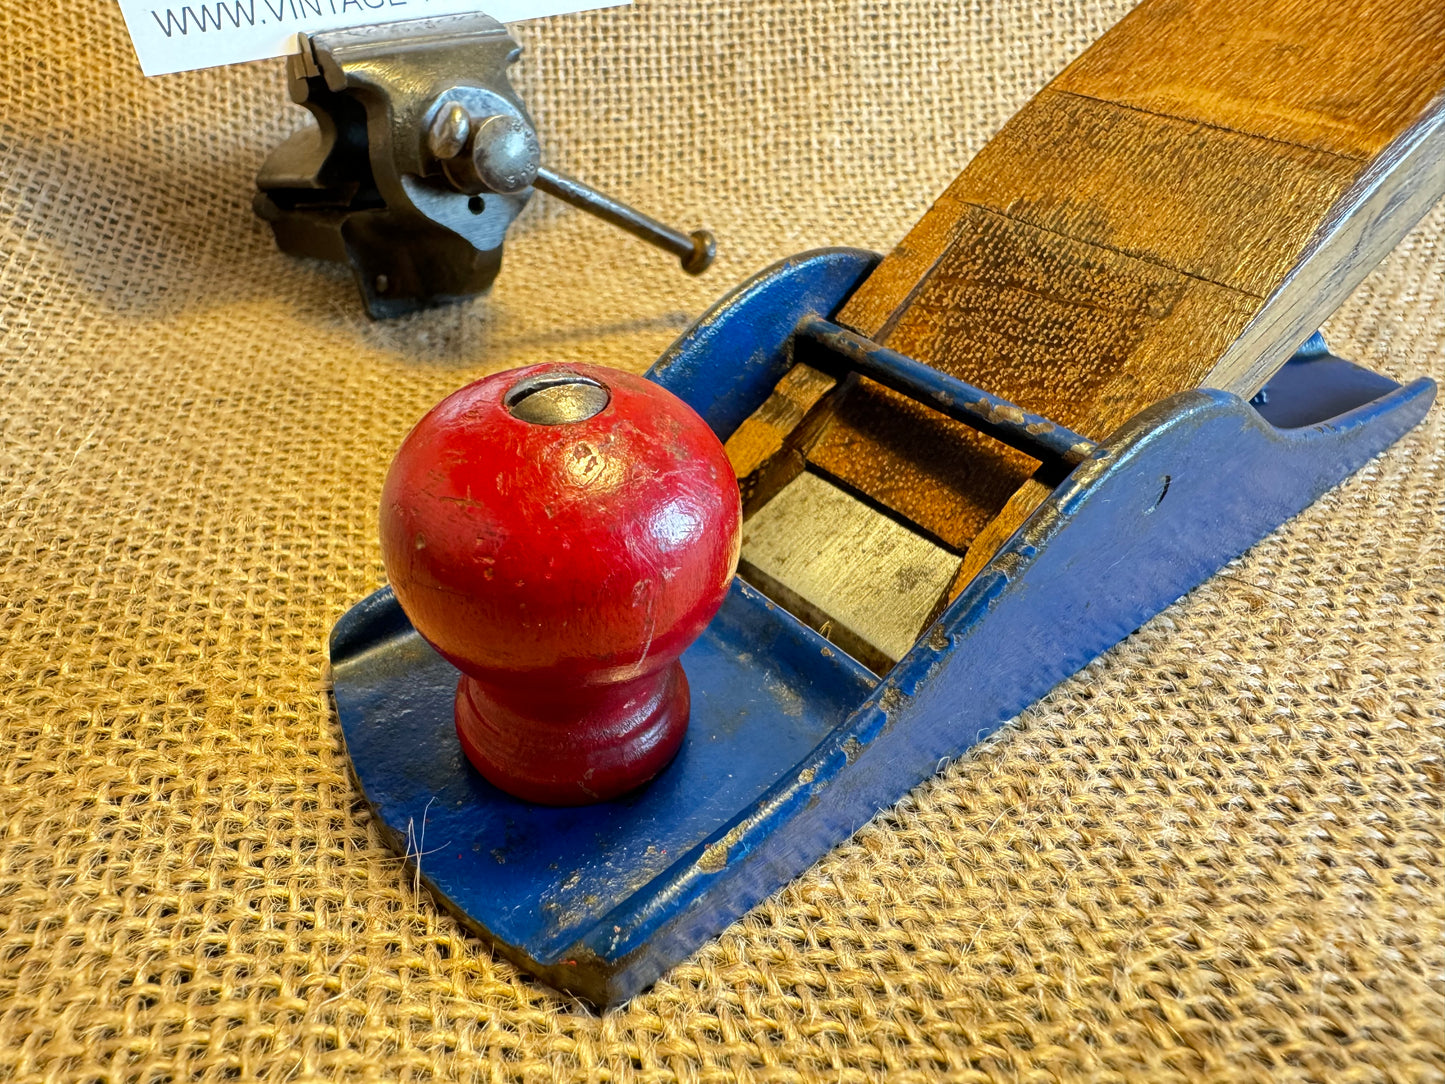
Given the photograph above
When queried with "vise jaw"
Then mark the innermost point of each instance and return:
(421, 158)
(366, 185)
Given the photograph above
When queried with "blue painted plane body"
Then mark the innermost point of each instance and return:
(793, 745)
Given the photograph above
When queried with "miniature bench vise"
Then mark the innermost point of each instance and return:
(421, 158)
(1087, 380)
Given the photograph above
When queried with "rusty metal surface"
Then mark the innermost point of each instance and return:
(421, 158)
(793, 746)
(1033, 434)
(1062, 329)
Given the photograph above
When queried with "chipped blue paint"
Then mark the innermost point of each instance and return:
(793, 745)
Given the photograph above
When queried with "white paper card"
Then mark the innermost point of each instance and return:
(182, 35)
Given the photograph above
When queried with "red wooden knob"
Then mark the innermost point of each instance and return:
(560, 534)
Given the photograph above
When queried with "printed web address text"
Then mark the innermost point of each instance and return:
(181, 35)
(234, 14)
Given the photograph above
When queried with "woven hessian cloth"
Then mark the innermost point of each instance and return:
(1214, 854)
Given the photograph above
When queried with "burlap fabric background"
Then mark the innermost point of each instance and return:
(1215, 854)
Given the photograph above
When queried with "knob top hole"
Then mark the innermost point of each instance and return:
(556, 399)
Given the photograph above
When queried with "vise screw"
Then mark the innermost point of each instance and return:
(421, 157)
